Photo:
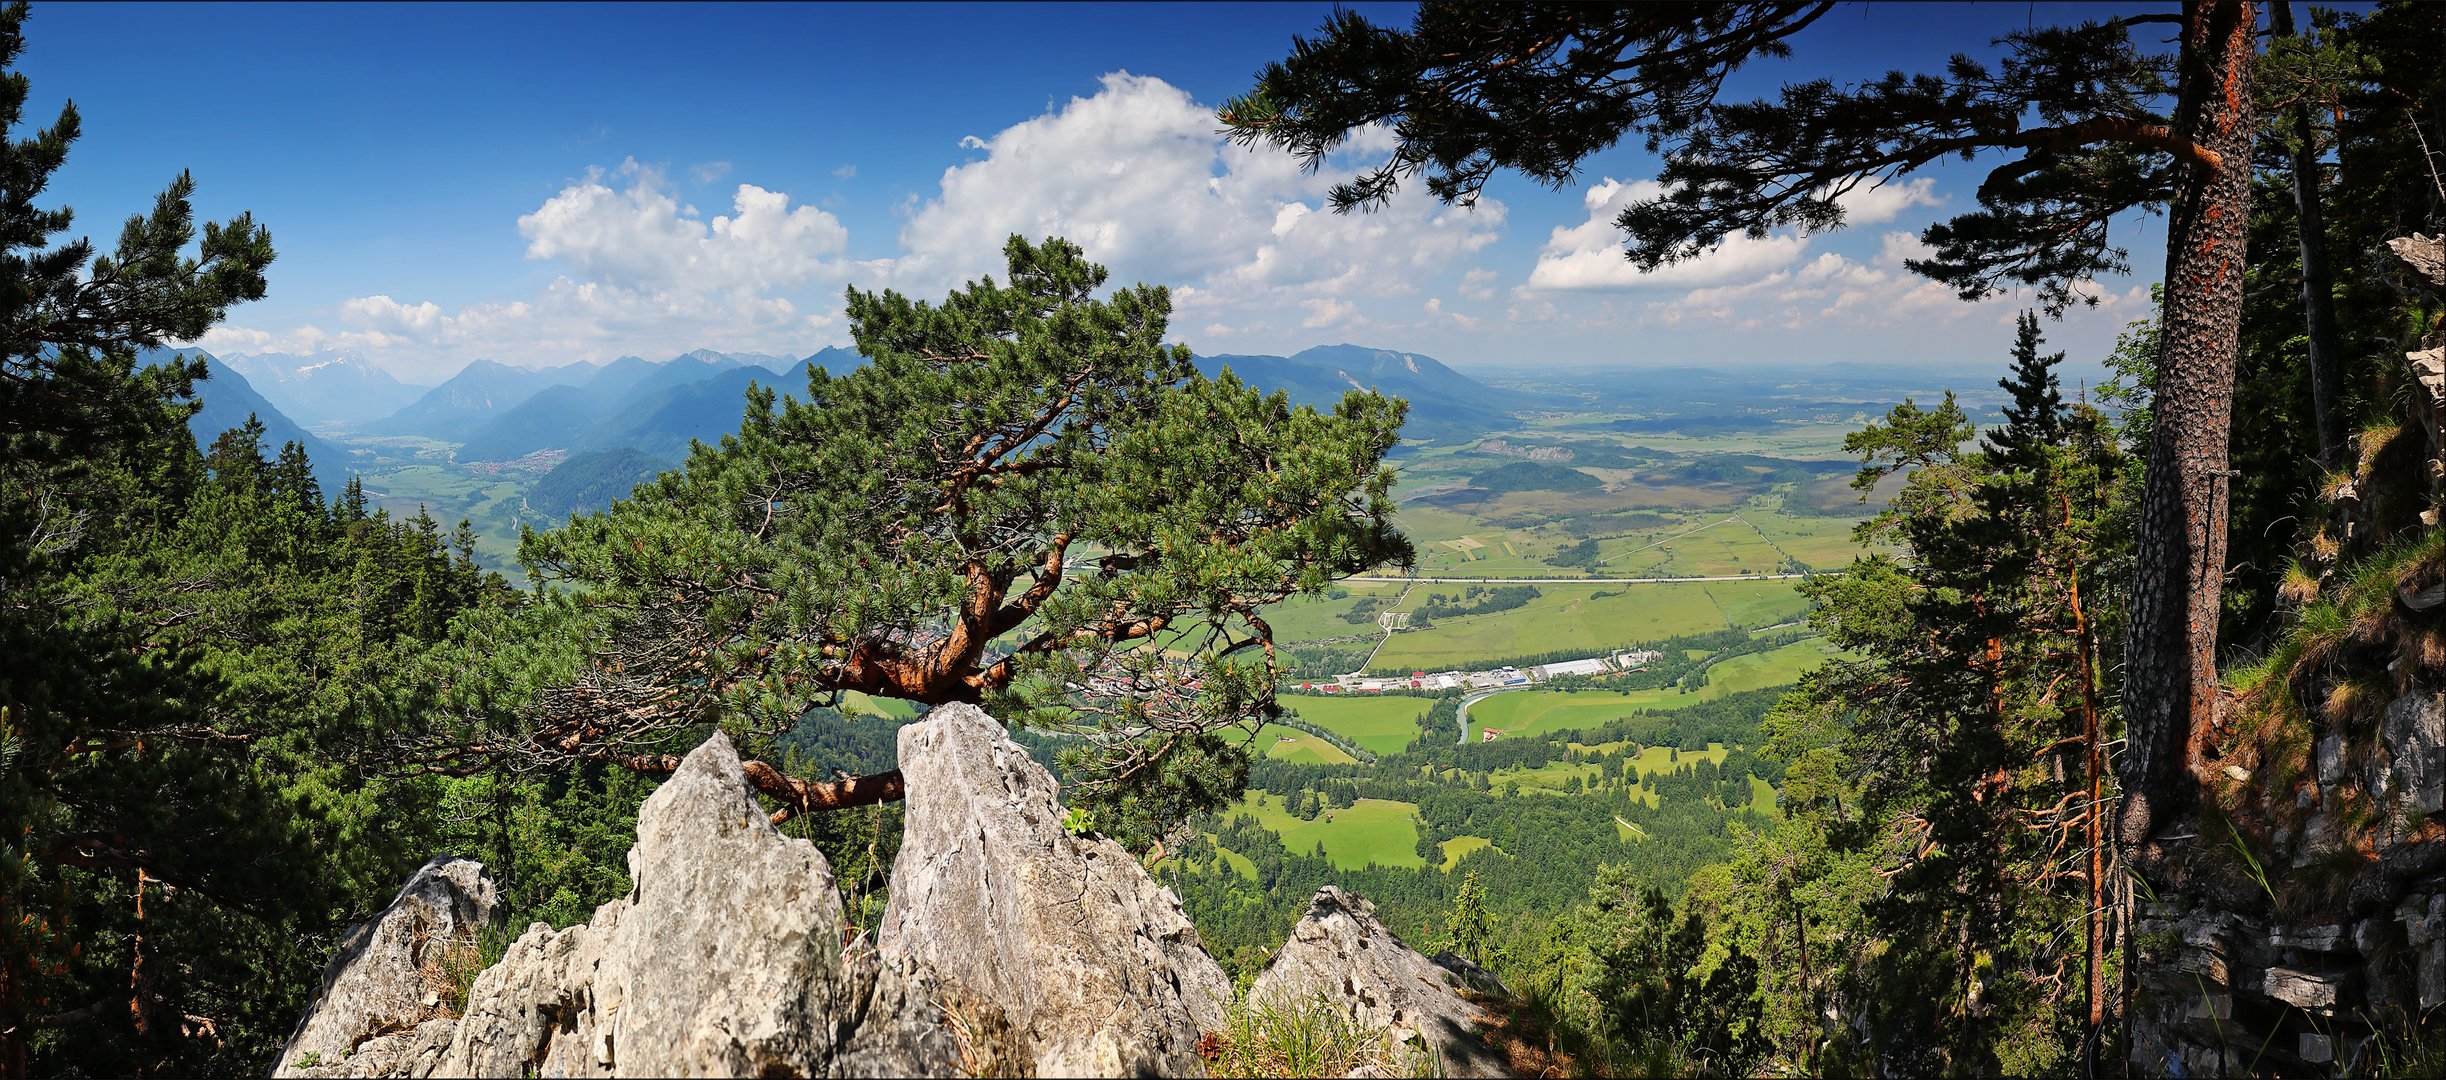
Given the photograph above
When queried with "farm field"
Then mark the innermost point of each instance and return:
(1532, 712)
(1458, 847)
(1781, 667)
(1588, 620)
(1316, 618)
(1554, 778)
(1382, 725)
(489, 503)
(1370, 831)
(1292, 744)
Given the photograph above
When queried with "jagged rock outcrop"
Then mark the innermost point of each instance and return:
(724, 959)
(380, 1011)
(1009, 947)
(1092, 966)
(1341, 950)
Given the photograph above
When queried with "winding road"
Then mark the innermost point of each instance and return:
(1473, 699)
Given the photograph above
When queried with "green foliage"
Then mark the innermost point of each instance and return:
(201, 651)
(592, 481)
(1926, 785)
(1311, 1036)
(1471, 89)
(1024, 488)
(1466, 930)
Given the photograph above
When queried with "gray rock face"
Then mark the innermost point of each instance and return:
(726, 959)
(1341, 950)
(380, 1009)
(2425, 256)
(2416, 753)
(1090, 964)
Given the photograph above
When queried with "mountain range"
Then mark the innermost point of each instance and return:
(481, 390)
(322, 388)
(1444, 404)
(228, 398)
(496, 412)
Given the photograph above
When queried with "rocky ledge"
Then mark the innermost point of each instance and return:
(1008, 947)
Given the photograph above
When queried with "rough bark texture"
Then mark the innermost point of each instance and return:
(1090, 962)
(1342, 952)
(2170, 685)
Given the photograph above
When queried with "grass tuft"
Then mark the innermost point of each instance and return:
(1308, 1036)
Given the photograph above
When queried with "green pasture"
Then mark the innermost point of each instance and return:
(1781, 667)
(1524, 713)
(1573, 618)
(1302, 618)
(1383, 725)
(1372, 831)
(854, 703)
(1292, 744)
(1460, 846)
(1548, 779)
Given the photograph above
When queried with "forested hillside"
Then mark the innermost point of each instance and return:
(1834, 722)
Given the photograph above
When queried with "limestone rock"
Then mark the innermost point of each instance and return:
(371, 1016)
(2416, 738)
(2331, 757)
(725, 959)
(1089, 963)
(1341, 950)
(2426, 257)
(2305, 989)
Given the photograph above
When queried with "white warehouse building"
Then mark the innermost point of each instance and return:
(1568, 667)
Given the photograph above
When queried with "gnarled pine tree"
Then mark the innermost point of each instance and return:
(1025, 499)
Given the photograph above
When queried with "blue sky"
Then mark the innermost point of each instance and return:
(543, 184)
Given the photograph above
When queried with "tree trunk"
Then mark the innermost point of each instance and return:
(2318, 282)
(2093, 750)
(2170, 685)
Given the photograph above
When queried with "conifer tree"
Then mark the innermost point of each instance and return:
(1971, 738)
(1469, 925)
(2083, 125)
(1026, 499)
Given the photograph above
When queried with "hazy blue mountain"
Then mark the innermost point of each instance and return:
(1444, 404)
(584, 483)
(618, 407)
(228, 399)
(662, 423)
(834, 359)
(323, 387)
(479, 392)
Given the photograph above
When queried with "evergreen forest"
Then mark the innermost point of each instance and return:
(1916, 750)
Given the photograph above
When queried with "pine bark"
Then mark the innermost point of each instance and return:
(2170, 685)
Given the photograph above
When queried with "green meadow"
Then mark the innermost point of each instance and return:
(1371, 831)
(1382, 725)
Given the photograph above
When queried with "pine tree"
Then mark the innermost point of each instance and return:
(1468, 927)
(1962, 759)
(1024, 487)
(2084, 128)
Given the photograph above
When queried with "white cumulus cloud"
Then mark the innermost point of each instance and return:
(1589, 255)
(1137, 176)
(642, 237)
